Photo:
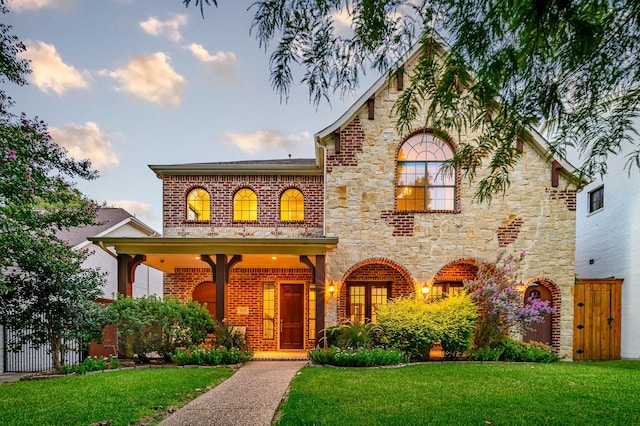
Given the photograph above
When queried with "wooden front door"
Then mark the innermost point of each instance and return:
(539, 332)
(291, 316)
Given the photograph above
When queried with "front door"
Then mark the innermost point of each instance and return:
(291, 316)
(539, 332)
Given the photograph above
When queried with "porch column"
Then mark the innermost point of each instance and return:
(220, 279)
(127, 265)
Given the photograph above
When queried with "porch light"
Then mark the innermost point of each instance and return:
(425, 290)
(332, 289)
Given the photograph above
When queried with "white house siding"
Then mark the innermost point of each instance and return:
(608, 243)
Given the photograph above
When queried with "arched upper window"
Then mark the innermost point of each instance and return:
(292, 205)
(198, 205)
(245, 205)
(422, 185)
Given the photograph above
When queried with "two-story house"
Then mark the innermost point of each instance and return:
(287, 247)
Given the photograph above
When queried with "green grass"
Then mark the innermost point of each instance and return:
(603, 393)
(123, 396)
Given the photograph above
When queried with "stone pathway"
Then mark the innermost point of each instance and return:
(250, 397)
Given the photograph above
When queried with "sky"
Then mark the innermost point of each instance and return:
(128, 83)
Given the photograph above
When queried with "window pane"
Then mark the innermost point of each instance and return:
(411, 173)
(413, 149)
(198, 205)
(245, 205)
(356, 304)
(596, 199)
(438, 176)
(378, 297)
(312, 312)
(268, 309)
(441, 199)
(292, 205)
(410, 198)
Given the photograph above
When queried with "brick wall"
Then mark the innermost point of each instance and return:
(222, 189)
(351, 140)
(243, 297)
(459, 270)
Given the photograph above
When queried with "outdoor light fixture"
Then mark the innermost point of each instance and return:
(332, 289)
(425, 290)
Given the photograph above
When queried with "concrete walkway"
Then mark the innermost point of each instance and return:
(249, 397)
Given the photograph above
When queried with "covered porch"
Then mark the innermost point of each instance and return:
(272, 289)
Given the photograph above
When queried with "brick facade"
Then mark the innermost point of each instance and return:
(222, 189)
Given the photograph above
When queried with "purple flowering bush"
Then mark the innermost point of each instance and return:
(496, 291)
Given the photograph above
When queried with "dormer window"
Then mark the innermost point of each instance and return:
(245, 205)
(422, 184)
(198, 205)
(292, 205)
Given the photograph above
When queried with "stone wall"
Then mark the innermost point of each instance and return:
(532, 216)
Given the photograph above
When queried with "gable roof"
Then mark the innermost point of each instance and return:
(537, 141)
(108, 219)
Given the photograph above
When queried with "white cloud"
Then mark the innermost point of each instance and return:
(267, 141)
(151, 78)
(170, 27)
(223, 64)
(142, 211)
(86, 141)
(26, 5)
(49, 72)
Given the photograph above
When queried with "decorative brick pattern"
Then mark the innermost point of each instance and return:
(402, 222)
(351, 141)
(458, 270)
(222, 189)
(509, 231)
(568, 196)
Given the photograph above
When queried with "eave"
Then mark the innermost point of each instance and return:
(204, 169)
(171, 245)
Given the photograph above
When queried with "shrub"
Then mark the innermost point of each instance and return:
(230, 337)
(415, 326)
(148, 324)
(360, 357)
(90, 364)
(515, 350)
(351, 335)
(485, 354)
(201, 355)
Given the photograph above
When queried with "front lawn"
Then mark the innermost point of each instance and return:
(598, 393)
(123, 396)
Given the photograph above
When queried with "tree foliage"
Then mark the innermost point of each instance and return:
(44, 290)
(498, 68)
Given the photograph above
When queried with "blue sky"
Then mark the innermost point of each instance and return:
(127, 83)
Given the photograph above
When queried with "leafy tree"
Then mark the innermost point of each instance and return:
(43, 287)
(497, 68)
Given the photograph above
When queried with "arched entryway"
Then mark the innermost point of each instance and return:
(205, 293)
(450, 279)
(548, 332)
(540, 332)
(369, 284)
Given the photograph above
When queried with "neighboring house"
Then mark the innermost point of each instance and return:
(112, 222)
(115, 222)
(285, 248)
(608, 242)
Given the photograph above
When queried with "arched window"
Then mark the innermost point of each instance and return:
(292, 205)
(245, 205)
(198, 205)
(422, 185)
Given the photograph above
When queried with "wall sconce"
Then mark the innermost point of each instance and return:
(332, 289)
(425, 290)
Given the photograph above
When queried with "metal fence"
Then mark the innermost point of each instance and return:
(30, 358)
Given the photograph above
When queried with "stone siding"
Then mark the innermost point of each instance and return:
(532, 216)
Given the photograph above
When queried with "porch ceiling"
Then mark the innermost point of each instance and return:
(166, 254)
